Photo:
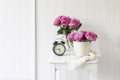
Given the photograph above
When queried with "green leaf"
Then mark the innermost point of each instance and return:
(60, 31)
(76, 28)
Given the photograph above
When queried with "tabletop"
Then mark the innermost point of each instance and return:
(54, 59)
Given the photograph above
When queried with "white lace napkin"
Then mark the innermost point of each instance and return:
(75, 62)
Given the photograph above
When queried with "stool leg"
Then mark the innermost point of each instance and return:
(93, 75)
(60, 74)
(53, 72)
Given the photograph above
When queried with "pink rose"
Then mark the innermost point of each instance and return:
(71, 36)
(83, 32)
(75, 23)
(57, 21)
(65, 20)
(91, 36)
(79, 37)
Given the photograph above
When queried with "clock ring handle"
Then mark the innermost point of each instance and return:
(60, 39)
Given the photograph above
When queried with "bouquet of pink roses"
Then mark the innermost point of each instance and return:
(66, 24)
(82, 36)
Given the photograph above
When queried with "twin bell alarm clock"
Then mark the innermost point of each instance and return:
(59, 47)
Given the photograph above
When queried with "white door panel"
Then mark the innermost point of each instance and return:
(17, 39)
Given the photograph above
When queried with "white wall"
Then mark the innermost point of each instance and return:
(17, 40)
(100, 16)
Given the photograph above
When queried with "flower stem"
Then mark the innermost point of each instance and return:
(67, 41)
(71, 43)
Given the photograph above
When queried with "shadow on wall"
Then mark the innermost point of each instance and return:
(108, 65)
(118, 57)
(108, 62)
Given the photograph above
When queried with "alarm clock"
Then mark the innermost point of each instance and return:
(59, 47)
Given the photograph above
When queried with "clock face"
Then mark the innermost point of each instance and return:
(59, 49)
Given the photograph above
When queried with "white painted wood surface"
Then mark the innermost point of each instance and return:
(58, 63)
(17, 39)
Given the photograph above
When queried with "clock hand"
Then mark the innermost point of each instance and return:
(59, 49)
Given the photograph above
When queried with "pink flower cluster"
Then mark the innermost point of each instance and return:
(82, 36)
(66, 21)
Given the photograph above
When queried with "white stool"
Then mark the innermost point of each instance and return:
(58, 63)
